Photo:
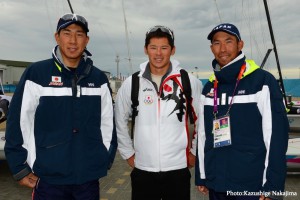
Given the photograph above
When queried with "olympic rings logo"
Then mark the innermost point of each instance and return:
(148, 99)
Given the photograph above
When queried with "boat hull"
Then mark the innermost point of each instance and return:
(294, 121)
(293, 153)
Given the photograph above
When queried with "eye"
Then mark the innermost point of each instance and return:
(67, 33)
(229, 41)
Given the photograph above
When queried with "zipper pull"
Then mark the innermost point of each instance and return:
(78, 91)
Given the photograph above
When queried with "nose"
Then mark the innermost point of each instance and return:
(73, 38)
(223, 47)
(158, 51)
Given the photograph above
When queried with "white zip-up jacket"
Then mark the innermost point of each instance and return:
(160, 131)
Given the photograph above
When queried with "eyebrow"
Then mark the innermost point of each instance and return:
(69, 30)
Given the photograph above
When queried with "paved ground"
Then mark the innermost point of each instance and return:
(116, 186)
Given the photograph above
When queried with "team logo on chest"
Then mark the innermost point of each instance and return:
(148, 99)
(56, 80)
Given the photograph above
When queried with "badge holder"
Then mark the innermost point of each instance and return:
(221, 131)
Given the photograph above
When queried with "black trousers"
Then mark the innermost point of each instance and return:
(170, 185)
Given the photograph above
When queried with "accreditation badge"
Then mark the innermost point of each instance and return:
(221, 131)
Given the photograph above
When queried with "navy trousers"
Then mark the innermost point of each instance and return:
(86, 191)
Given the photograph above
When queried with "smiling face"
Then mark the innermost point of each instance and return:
(159, 52)
(72, 41)
(225, 47)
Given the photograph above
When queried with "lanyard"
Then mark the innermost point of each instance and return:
(243, 68)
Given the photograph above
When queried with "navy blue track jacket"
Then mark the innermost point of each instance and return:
(255, 161)
(60, 124)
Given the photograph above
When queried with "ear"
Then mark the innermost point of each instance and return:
(145, 50)
(87, 40)
(56, 36)
(211, 48)
(173, 51)
(240, 45)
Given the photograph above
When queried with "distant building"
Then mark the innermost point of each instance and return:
(11, 71)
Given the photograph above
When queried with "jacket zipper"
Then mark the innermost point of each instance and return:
(75, 87)
(158, 117)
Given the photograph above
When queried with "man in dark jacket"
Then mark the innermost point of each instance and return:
(245, 157)
(60, 135)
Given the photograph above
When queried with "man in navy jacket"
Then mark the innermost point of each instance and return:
(60, 134)
(245, 157)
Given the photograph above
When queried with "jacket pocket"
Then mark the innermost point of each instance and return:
(246, 166)
(53, 160)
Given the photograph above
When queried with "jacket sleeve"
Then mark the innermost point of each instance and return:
(199, 168)
(275, 130)
(108, 127)
(19, 146)
(197, 87)
(123, 112)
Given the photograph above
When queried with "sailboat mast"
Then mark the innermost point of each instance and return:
(70, 6)
(275, 50)
(127, 38)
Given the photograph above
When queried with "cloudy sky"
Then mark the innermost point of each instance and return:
(27, 30)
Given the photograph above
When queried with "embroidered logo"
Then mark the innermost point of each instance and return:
(241, 92)
(91, 84)
(56, 80)
(148, 99)
(147, 89)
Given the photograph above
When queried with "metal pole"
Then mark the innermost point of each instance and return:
(127, 38)
(117, 61)
(265, 58)
(70, 7)
(275, 50)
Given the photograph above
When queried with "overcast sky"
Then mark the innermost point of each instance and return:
(27, 30)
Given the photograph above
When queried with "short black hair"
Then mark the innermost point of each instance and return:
(159, 34)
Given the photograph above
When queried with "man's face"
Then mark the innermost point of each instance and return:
(159, 53)
(225, 47)
(72, 41)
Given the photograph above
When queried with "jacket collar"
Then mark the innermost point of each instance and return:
(229, 72)
(56, 55)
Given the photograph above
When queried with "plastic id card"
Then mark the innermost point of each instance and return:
(221, 131)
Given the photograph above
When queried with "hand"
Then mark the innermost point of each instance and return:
(262, 197)
(192, 160)
(130, 161)
(203, 189)
(29, 180)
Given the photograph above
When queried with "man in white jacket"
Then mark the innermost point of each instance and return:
(160, 154)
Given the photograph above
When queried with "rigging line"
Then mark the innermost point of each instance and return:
(262, 29)
(253, 28)
(249, 16)
(275, 51)
(48, 16)
(103, 30)
(248, 25)
(127, 38)
(218, 11)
